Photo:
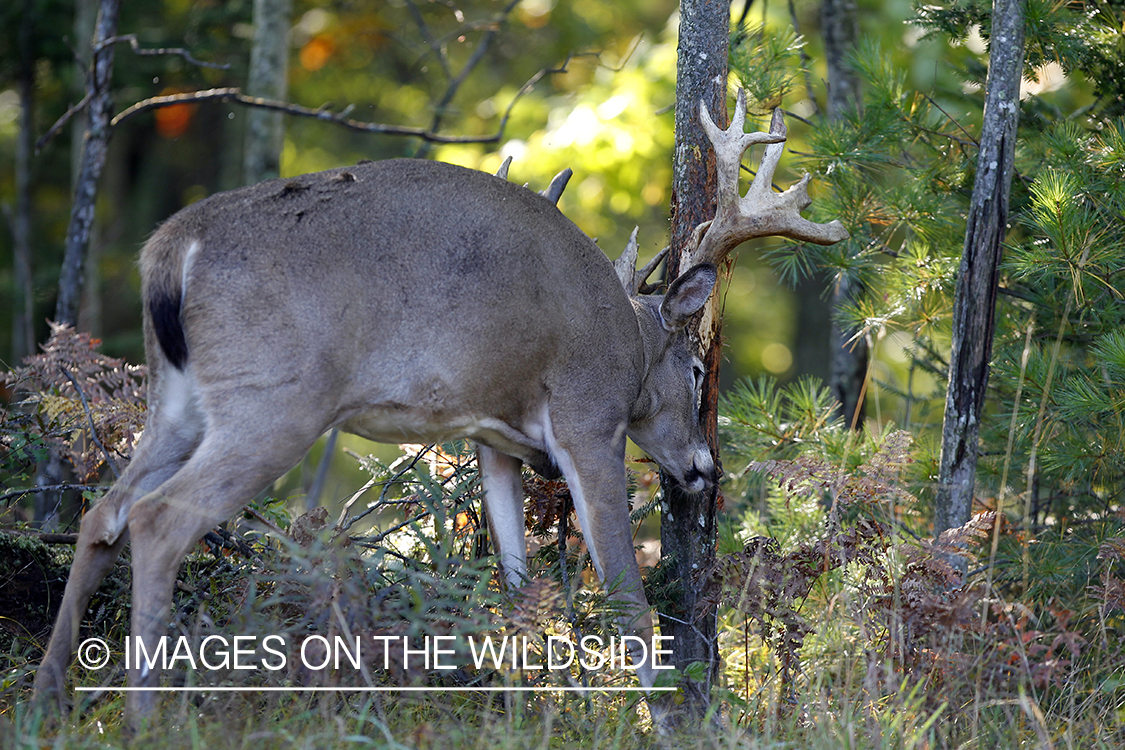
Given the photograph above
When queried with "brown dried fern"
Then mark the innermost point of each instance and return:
(71, 388)
(904, 604)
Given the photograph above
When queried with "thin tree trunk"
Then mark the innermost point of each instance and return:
(974, 302)
(269, 67)
(89, 143)
(839, 24)
(848, 370)
(687, 529)
(811, 346)
(85, 14)
(23, 330)
(99, 111)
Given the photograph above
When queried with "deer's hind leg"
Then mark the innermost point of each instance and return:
(102, 534)
(235, 461)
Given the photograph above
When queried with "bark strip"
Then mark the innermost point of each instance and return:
(974, 303)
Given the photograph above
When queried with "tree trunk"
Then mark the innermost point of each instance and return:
(99, 111)
(49, 505)
(23, 329)
(848, 370)
(839, 24)
(974, 302)
(85, 14)
(687, 529)
(269, 66)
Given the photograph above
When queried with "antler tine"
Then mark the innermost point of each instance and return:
(763, 180)
(555, 190)
(643, 274)
(502, 172)
(730, 145)
(626, 264)
(761, 212)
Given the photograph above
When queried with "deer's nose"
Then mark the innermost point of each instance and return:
(701, 475)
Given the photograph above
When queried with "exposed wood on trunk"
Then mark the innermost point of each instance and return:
(974, 304)
(687, 529)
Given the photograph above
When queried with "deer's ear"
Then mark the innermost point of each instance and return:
(687, 294)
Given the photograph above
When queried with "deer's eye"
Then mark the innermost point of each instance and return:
(697, 374)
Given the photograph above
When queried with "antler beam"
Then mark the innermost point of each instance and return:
(761, 212)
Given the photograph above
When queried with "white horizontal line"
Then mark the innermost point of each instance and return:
(233, 689)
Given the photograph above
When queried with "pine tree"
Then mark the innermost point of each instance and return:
(901, 176)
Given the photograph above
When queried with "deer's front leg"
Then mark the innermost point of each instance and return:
(595, 474)
(502, 483)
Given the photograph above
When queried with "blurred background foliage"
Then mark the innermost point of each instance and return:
(897, 172)
(608, 117)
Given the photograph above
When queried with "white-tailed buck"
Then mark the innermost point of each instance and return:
(406, 301)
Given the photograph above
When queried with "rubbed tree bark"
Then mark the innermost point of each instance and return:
(99, 111)
(848, 369)
(974, 302)
(23, 331)
(687, 529)
(269, 67)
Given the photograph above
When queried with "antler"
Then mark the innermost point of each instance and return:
(626, 266)
(761, 212)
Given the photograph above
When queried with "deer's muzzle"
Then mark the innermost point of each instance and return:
(702, 473)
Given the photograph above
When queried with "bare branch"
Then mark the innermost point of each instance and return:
(43, 536)
(953, 120)
(21, 491)
(62, 121)
(236, 95)
(132, 39)
(435, 47)
(473, 61)
(138, 49)
(346, 523)
(93, 428)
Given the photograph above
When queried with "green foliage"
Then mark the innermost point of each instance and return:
(1056, 372)
(839, 621)
(766, 62)
(1082, 40)
(899, 171)
(831, 599)
(1037, 622)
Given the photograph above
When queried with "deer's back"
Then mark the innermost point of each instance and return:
(413, 275)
